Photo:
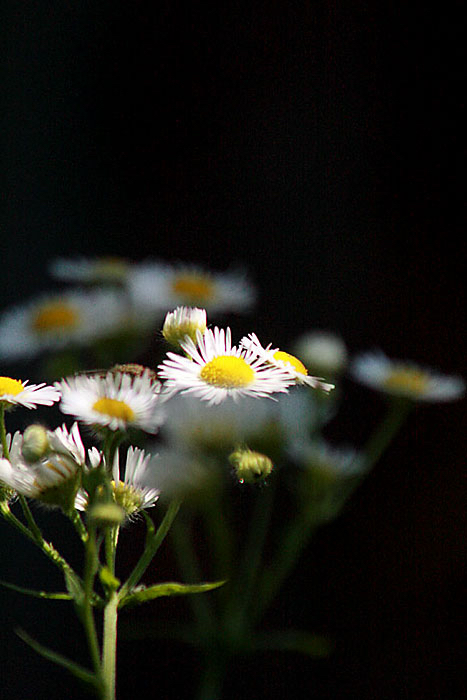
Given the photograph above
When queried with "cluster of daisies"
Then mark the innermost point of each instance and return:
(102, 296)
(206, 390)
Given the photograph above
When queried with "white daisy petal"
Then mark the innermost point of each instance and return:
(14, 392)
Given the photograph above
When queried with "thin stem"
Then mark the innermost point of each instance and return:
(91, 565)
(5, 448)
(152, 545)
(378, 442)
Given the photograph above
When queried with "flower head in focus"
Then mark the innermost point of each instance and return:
(215, 370)
(285, 361)
(14, 392)
(117, 401)
(405, 379)
(160, 286)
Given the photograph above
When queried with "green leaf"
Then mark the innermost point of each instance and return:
(82, 673)
(142, 594)
(314, 645)
(36, 594)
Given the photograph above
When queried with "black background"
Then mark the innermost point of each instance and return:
(319, 144)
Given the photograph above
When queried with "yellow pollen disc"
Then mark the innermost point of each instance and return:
(291, 360)
(228, 372)
(408, 380)
(114, 408)
(10, 386)
(55, 316)
(194, 289)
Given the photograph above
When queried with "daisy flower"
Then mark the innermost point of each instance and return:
(405, 379)
(322, 351)
(99, 270)
(161, 286)
(117, 401)
(283, 360)
(182, 322)
(56, 321)
(214, 370)
(14, 392)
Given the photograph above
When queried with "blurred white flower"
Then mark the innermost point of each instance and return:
(322, 352)
(99, 270)
(405, 379)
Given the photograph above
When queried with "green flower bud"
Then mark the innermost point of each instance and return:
(35, 443)
(106, 515)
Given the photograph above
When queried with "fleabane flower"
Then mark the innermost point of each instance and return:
(182, 322)
(160, 286)
(405, 379)
(283, 360)
(98, 270)
(54, 478)
(56, 321)
(117, 401)
(14, 392)
(214, 370)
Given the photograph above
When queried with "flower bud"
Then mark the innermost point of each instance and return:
(35, 443)
(250, 467)
(182, 322)
(106, 515)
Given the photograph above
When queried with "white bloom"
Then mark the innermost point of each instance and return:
(90, 270)
(137, 489)
(48, 478)
(285, 361)
(214, 370)
(14, 392)
(182, 322)
(117, 401)
(159, 286)
(56, 321)
(405, 379)
(335, 462)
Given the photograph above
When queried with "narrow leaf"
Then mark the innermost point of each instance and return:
(314, 645)
(82, 673)
(143, 594)
(36, 594)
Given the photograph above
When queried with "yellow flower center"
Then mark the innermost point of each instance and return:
(12, 387)
(291, 360)
(407, 380)
(55, 316)
(110, 268)
(228, 372)
(127, 497)
(114, 408)
(194, 289)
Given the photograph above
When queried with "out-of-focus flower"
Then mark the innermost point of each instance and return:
(160, 287)
(14, 392)
(56, 321)
(285, 361)
(99, 270)
(182, 322)
(214, 370)
(250, 466)
(322, 352)
(117, 401)
(405, 379)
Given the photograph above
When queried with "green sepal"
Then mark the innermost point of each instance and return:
(108, 580)
(36, 594)
(314, 645)
(143, 594)
(78, 671)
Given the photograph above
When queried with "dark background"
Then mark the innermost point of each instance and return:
(319, 144)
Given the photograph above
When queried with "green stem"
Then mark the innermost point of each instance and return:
(91, 565)
(397, 412)
(109, 647)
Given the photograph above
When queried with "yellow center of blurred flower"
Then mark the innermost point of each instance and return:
(110, 268)
(194, 289)
(291, 360)
(407, 380)
(11, 387)
(55, 316)
(114, 408)
(228, 372)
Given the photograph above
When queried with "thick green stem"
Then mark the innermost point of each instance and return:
(109, 646)
(91, 565)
